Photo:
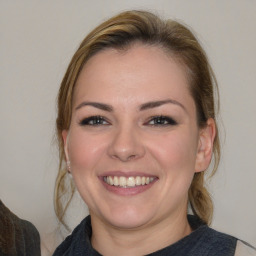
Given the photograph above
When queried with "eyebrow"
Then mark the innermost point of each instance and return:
(154, 104)
(101, 106)
(144, 106)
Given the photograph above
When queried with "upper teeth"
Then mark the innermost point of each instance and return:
(127, 181)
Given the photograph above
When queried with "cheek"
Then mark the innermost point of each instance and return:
(176, 151)
(84, 151)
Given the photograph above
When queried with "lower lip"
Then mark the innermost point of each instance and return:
(127, 191)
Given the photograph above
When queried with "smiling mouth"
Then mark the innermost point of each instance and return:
(128, 182)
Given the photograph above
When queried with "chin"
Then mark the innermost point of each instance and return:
(128, 222)
(128, 218)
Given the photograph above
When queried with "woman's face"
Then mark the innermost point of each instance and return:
(133, 143)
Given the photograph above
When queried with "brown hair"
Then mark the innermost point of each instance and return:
(121, 32)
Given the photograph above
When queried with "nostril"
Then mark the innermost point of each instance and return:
(125, 157)
(131, 157)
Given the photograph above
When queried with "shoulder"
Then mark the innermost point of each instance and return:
(66, 246)
(223, 244)
(78, 242)
(244, 249)
(221, 238)
(209, 241)
(215, 243)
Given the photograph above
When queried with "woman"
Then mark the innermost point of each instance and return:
(137, 128)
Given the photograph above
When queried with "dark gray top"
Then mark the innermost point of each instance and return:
(203, 241)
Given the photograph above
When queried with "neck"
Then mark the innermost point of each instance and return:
(109, 240)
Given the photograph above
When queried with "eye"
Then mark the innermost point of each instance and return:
(161, 121)
(94, 121)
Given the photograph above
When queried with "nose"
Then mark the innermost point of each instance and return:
(126, 145)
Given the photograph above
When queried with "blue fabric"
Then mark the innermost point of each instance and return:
(203, 241)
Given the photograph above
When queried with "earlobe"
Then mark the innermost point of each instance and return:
(65, 136)
(205, 146)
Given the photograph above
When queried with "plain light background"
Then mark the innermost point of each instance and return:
(38, 38)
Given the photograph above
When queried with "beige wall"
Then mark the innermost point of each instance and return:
(38, 39)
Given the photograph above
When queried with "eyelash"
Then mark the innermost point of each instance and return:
(157, 121)
(161, 121)
(94, 121)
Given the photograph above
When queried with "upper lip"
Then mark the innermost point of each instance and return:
(127, 174)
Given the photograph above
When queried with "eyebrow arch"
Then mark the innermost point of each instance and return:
(98, 105)
(154, 104)
(145, 106)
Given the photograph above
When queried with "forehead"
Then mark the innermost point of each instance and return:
(141, 70)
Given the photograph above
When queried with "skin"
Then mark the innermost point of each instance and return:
(129, 140)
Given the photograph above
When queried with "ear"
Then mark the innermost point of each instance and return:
(205, 146)
(65, 142)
